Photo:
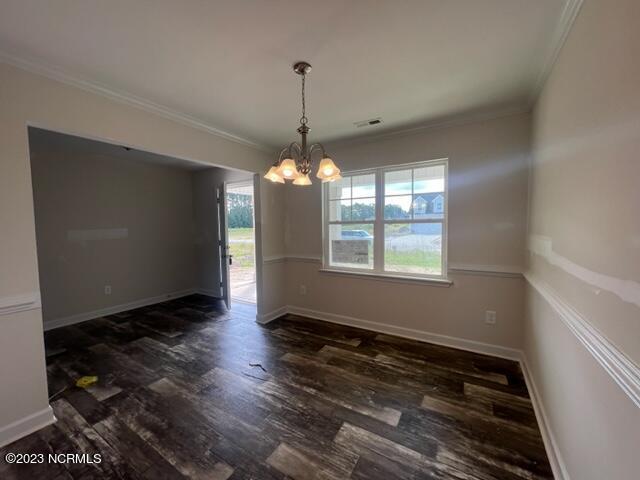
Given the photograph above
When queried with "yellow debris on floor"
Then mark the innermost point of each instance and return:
(87, 381)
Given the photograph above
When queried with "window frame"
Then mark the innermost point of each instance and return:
(379, 223)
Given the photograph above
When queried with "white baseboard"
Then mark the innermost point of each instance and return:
(420, 335)
(23, 427)
(551, 446)
(269, 317)
(83, 317)
(208, 293)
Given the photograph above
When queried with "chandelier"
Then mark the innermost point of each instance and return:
(294, 162)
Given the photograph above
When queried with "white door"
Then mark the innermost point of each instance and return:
(223, 235)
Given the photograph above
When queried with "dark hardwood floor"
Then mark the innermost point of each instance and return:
(189, 390)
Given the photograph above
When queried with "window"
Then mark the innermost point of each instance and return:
(388, 220)
(352, 212)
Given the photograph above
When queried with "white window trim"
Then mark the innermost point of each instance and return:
(379, 223)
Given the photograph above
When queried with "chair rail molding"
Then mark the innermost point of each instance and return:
(621, 368)
(273, 259)
(19, 303)
(507, 271)
(292, 258)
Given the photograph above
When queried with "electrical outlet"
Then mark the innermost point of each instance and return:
(303, 289)
(490, 317)
(107, 289)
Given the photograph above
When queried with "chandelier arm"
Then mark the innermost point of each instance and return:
(280, 156)
(293, 147)
(315, 147)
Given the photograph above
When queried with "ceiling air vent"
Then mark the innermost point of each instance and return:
(368, 123)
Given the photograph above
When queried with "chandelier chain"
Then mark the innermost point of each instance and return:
(294, 162)
(303, 119)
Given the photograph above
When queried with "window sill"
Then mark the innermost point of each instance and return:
(390, 277)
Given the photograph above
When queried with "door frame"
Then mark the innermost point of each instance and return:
(224, 235)
(223, 243)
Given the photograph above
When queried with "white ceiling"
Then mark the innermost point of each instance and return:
(227, 64)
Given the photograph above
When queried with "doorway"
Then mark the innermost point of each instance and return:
(240, 220)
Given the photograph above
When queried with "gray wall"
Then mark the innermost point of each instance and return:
(103, 218)
(488, 171)
(585, 239)
(144, 225)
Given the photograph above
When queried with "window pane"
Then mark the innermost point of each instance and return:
(340, 210)
(363, 185)
(351, 245)
(397, 182)
(340, 188)
(363, 209)
(428, 179)
(413, 248)
(397, 208)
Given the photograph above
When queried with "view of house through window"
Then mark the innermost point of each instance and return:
(388, 220)
(242, 271)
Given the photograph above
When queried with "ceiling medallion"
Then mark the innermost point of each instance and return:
(294, 162)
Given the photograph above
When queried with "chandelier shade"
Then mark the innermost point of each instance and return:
(327, 170)
(295, 161)
(274, 175)
(288, 169)
(302, 180)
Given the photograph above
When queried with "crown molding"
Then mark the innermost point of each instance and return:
(56, 74)
(454, 121)
(561, 32)
(559, 37)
